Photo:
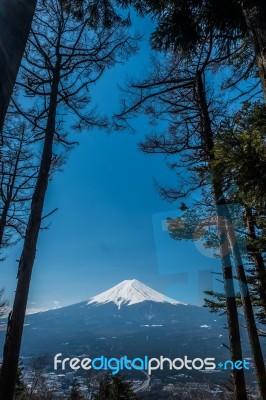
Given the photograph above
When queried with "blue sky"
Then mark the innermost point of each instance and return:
(109, 226)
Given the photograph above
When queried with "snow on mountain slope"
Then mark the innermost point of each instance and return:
(130, 292)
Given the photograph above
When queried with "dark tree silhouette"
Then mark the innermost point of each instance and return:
(18, 175)
(20, 388)
(64, 58)
(75, 393)
(177, 93)
(16, 17)
(182, 25)
(115, 388)
(15, 21)
(254, 12)
(240, 150)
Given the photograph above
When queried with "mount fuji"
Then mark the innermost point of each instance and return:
(131, 292)
(129, 318)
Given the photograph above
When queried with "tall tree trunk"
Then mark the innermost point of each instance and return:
(231, 306)
(248, 310)
(17, 315)
(255, 15)
(231, 237)
(230, 298)
(257, 258)
(15, 22)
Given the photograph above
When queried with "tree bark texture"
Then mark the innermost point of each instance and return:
(15, 22)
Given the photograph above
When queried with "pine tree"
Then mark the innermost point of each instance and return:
(75, 393)
(20, 388)
(115, 388)
(182, 25)
(177, 92)
(18, 166)
(16, 18)
(63, 59)
(240, 161)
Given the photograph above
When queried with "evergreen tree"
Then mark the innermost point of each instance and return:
(18, 167)
(115, 388)
(16, 18)
(75, 393)
(178, 92)
(20, 388)
(65, 56)
(183, 24)
(240, 161)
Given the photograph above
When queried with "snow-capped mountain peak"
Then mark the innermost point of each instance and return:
(131, 292)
